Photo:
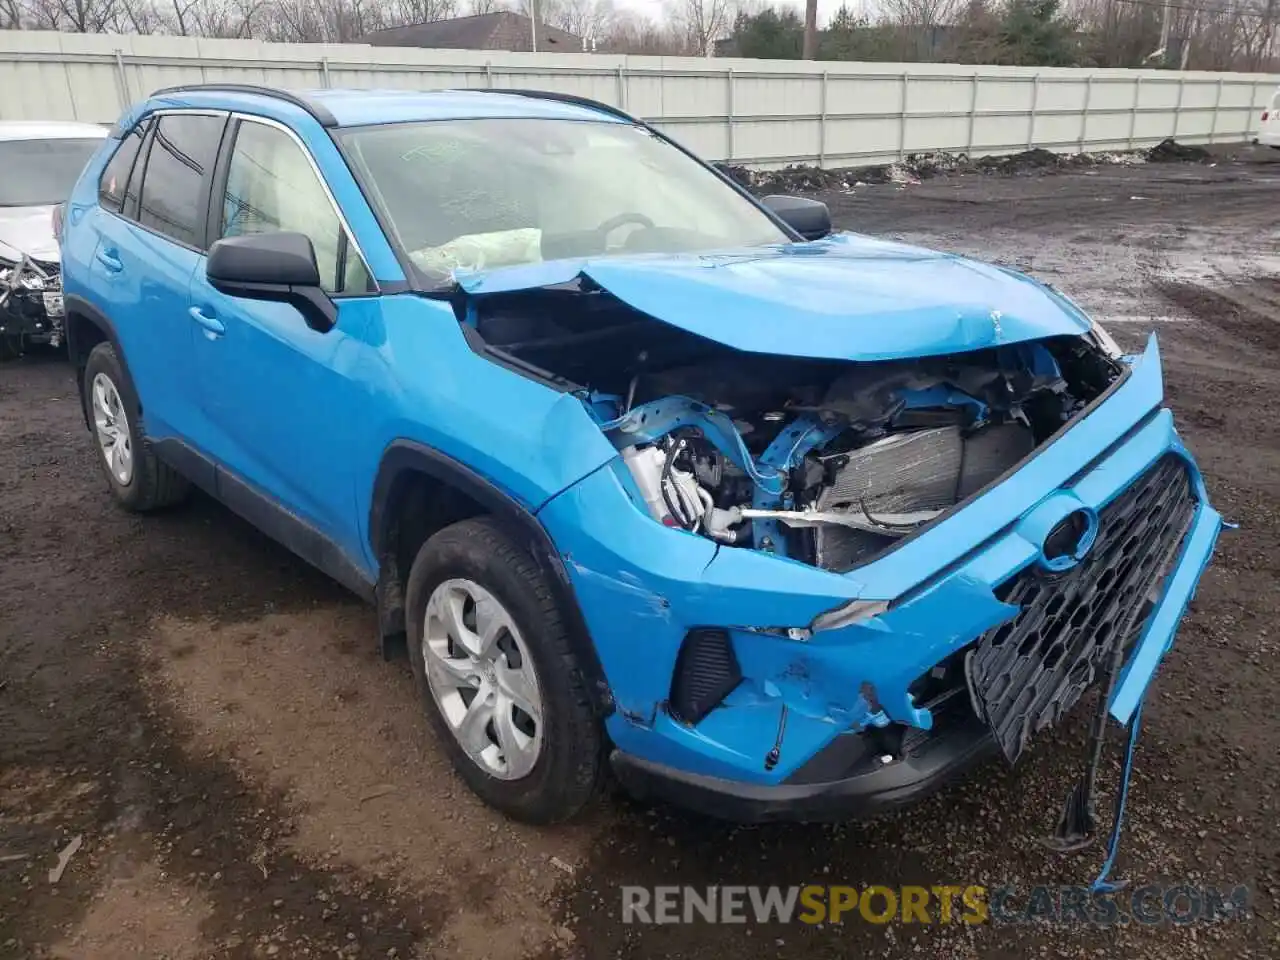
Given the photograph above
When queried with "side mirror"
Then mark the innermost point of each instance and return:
(273, 266)
(809, 218)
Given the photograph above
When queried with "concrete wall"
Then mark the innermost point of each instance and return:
(761, 112)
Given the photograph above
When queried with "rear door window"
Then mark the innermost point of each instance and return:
(111, 186)
(179, 167)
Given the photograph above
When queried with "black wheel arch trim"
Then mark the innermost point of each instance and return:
(79, 306)
(411, 456)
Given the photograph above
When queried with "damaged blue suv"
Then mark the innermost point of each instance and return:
(648, 475)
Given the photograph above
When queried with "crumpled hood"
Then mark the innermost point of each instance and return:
(28, 230)
(846, 296)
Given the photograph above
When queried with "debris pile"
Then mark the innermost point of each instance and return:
(801, 178)
(1170, 151)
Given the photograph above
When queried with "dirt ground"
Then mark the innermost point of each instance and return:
(249, 779)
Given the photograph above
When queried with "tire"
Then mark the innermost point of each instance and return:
(10, 346)
(569, 763)
(139, 482)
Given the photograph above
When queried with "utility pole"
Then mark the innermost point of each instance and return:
(810, 30)
(533, 25)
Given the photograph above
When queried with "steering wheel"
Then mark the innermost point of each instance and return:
(621, 220)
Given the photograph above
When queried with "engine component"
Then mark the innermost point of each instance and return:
(901, 472)
(911, 474)
(989, 453)
(646, 467)
(674, 496)
(890, 524)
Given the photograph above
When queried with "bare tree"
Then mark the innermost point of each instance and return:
(919, 13)
(76, 16)
(477, 7)
(632, 32)
(584, 18)
(703, 22)
(231, 19)
(12, 15)
(402, 12)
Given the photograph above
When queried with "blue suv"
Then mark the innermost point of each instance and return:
(649, 475)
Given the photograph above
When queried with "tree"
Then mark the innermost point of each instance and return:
(76, 16)
(703, 22)
(851, 36)
(770, 34)
(1032, 33)
(632, 32)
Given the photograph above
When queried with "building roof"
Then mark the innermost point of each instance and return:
(50, 130)
(360, 107)
(504, 30)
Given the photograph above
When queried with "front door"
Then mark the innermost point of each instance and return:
(277, 394)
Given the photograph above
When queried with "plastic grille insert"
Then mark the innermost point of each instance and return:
(1026, 674)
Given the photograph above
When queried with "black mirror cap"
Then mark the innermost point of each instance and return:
(283, 257)
(277, 266)
(809, 218)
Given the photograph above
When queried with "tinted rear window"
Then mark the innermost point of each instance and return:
(182, 154)
(111, 187)
(41, 171)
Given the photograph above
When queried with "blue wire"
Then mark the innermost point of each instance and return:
(1101, 884)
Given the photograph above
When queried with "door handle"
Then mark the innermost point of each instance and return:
(212, 324)
(109, 260)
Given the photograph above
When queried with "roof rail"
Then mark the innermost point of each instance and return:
(571, 98)
(318, 111)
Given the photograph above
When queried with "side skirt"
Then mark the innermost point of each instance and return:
(266, 514)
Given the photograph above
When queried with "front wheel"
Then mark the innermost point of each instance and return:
(498, 680)
(10, 346)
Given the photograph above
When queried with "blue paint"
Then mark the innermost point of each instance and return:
(950, 572)
(306, 417)
(846, 297)
(787, 449)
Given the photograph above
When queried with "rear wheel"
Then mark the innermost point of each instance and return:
(10, 346)
(498, 681)
(138, 480)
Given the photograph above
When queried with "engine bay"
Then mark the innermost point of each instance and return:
(829, 462)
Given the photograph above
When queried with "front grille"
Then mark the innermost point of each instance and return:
(706, 672)
(1027, 673)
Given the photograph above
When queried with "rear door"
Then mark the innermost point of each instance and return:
(151, 243)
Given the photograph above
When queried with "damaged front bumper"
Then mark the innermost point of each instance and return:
(961, 643)
(31, 305)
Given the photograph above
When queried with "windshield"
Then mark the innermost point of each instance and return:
(38, 172)
(475, 194)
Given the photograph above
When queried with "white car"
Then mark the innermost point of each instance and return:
(39, 164)
(1269, 129)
